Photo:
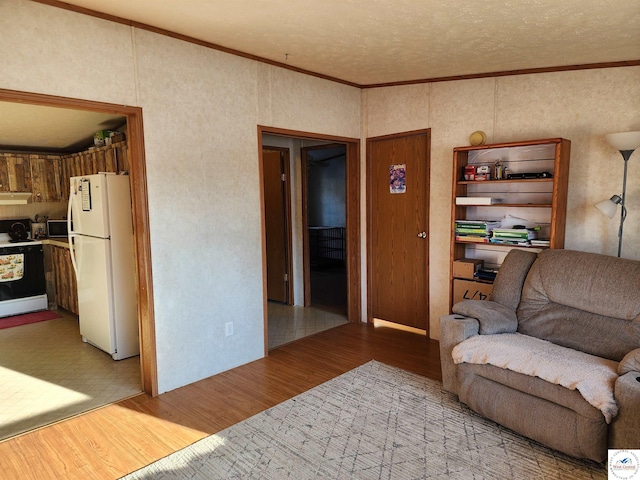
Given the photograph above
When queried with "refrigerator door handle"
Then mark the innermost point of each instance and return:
(71, 235)
(72, 252)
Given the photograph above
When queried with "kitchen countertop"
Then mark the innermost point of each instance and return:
(59, 242)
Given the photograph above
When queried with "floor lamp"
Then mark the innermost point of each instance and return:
(626, 143)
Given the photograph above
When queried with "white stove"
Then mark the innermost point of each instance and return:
(22, 279)
(12, 243)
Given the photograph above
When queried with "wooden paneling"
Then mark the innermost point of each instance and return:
(49, 275)
(65, 280)
(46, 178)
(15, 172)
(110, 158)
(109, 442)
(62, 290)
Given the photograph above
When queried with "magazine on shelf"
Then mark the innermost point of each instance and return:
(477, 201)
(540, 243)
(521, 242)
(472, 238)
(516, 233)
(486, 224)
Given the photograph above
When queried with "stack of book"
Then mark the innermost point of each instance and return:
(476, 231)
(477, 200)
(514, 236)
(540, 243)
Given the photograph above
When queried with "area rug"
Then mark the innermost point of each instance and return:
(24, 319)
(373, 422)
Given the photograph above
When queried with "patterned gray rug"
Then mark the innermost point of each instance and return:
(373, 422)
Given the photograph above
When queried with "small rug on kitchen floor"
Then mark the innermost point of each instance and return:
(24, 319)
(373, 422)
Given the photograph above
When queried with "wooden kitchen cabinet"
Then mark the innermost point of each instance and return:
(66, 287)
(110, 158)
(15, 172)
(46, 178)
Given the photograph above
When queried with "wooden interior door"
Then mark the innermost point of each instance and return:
(398, 228)
(276, 224)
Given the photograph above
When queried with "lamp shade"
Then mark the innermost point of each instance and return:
(624, 141)
(610, 206)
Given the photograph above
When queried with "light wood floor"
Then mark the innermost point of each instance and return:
(114, 440)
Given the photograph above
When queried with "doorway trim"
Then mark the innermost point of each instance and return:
(139, 198)
(353, 249)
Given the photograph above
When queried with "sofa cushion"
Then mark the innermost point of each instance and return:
(591, 282)
(583, 301)
(492, 317)
(592, 376)
(630, 362)
(553, 415)
(507, 286)
(535, 386)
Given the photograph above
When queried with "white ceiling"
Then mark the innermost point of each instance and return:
(380, 41)
(51, 129)
(365, 42)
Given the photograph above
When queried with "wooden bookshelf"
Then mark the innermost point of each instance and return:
(541, 200)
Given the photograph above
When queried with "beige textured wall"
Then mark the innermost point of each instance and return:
(581, 106)
(52, 51)
(201, 109)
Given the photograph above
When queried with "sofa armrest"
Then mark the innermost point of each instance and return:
(492, 317)
(623, 433)
(453, 330)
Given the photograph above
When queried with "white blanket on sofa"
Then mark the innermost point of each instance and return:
(592, 376)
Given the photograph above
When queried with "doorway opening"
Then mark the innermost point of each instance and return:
(324, 233)
(145, 373)
(326, 220)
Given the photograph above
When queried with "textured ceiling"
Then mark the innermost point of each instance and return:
(369, 42)
(51, 129)
(361, 42)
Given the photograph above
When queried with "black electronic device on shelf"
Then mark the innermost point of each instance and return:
(488, 274)
(528, 175)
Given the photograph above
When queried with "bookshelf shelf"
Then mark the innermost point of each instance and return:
(513, 205)
(539, 200)
(493, 182)
(498, 245)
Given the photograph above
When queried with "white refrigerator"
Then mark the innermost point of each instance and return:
(100, 225)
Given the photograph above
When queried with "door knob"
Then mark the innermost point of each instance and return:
(422, 235)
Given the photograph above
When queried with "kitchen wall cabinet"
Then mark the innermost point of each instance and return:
(110, 158)
(15, 172)
(535, 190)
(46, 178)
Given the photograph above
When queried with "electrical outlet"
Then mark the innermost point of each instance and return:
(228, 328)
